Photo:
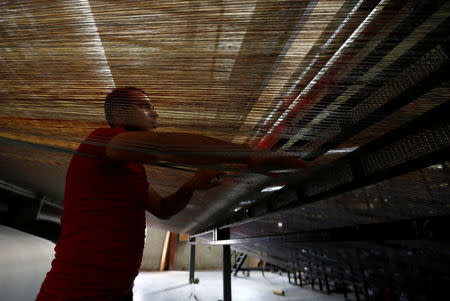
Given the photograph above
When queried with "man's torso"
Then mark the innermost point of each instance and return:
(103, 224)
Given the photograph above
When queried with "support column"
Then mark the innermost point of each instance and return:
(225, 234)
(192, 262)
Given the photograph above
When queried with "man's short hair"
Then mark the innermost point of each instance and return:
(118, 98)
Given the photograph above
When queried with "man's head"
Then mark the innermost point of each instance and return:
(130, 108)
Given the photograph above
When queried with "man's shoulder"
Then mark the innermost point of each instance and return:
(105, 132)
(95, 143)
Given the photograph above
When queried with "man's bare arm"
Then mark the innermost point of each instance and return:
(165, 207)
(185, 148)
(182, 148)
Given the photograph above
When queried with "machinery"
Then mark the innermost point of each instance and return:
(357, 88)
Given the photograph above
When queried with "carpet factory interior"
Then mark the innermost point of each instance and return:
(329, 169)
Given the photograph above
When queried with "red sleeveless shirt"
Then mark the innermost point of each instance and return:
(103, 226)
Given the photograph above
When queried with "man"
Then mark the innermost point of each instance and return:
(106, 195)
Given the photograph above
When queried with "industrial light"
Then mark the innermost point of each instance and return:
(436, 166)
(341, 150)
(244, 203)
(272, 188)
(280, 224)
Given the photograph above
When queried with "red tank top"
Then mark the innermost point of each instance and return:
(103, 226)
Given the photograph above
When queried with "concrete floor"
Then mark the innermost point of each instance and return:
(167, 286)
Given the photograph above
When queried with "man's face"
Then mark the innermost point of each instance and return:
(140, 114)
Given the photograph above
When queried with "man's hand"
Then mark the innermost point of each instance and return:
(204, 179)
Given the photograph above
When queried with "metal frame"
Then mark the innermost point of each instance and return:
(364, 166)
(431, 228)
